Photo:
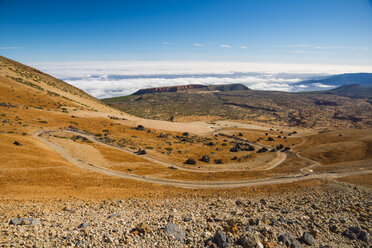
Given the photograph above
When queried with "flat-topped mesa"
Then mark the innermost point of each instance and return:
(170, 89)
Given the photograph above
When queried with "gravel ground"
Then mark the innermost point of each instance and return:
(337, 215)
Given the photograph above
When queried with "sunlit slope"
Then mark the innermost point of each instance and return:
(23, 85)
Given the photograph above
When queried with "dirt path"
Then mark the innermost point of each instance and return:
(193, 184)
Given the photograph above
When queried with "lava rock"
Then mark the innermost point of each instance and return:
(141, 151)
(211, 144)
(355, 232)
(17, 143)
(307, 238)
(205, 159)
(236, 148)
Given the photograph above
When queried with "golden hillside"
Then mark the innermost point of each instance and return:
(24, 85)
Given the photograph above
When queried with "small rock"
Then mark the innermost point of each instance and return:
(250, 241)
(115, 215)
(142, 228)
(286, 239)
(218, 161)
(268, 244)
(17, 143)
(83, 225)
(221, 240)
(24, 221)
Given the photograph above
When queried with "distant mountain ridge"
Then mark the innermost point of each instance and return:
(225, 87)
(169, 89)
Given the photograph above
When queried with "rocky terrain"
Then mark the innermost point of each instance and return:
(328, 215)
(338, 108)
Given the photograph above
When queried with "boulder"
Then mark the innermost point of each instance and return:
(190, 161)
(140, 127)
(248, 148)
(175, 231)
(141, 151)
(263, 149)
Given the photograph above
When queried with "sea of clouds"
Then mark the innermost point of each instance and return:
(110, 79)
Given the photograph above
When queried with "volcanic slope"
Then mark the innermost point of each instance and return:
(56, 138)
(71, 174)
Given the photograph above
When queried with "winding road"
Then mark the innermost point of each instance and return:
(192, 184)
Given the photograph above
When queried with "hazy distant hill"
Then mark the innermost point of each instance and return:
(353, 91)
(340, 80)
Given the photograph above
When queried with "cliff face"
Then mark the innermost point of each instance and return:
(170, 89)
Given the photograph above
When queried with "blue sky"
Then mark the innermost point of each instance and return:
(278, 31)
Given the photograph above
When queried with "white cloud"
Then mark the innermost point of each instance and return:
(109, 79)
(320, 85)
(167, 43)
(341, 47)
(198, 45)
(313, 52)
(243, 47)
(225, 46)
(292, 45)
(10, 47)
